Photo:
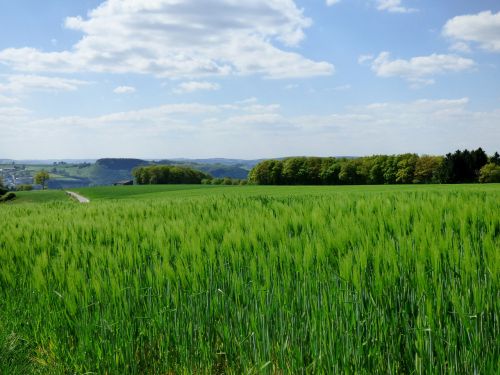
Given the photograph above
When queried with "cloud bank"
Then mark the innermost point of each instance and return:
(248, 129)
(181, 39)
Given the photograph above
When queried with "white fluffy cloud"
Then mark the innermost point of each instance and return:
(124, 90)
(192, 86)
(332, 2)
(18, 84)
(180, 38)
(482, 28)
(419, 70)
(252, 130)
(394, 6)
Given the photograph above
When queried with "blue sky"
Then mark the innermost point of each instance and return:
(247, 78)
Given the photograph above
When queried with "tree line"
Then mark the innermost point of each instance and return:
(168, 174)
(458, 167)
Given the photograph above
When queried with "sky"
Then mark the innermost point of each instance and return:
(247, 78)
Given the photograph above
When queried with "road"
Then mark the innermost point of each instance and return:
(78, 197)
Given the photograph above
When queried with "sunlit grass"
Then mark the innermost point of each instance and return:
(39, 196)
(253, 279)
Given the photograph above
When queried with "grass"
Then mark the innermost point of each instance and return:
(176, 279)
(39, 196)
(121, 192)
(183, 191)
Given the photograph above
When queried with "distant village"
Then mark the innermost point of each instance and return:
(16, 175)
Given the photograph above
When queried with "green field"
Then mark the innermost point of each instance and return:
(39, 196)
(183, 191)
(252, 279)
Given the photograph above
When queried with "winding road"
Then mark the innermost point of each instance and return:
(78, 197)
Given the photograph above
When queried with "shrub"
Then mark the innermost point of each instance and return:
(490, 173)
(7, 197)
(217, 181)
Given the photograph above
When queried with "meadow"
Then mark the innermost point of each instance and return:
(252, 279)
(39, 196)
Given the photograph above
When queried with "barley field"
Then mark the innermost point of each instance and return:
(251, 280)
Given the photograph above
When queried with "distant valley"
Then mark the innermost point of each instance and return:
(81, 173)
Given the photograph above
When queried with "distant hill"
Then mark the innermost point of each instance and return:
(106, 171)
(121, 164)
(218, 170)
(243, 163)
(46, 161)
(110, 170)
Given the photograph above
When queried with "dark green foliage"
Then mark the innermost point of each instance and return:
(428, 170)
(376, 172)
(379, 169)
(460, 167)
(7, 197)
(495, 159)
(351, 173)
(270, 172)
(330, 172)
(390, 169)
(406, 168)
(490, 173)
(167, 174)
(464, 166)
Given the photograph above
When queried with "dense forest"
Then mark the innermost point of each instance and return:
(458, 167)
(167, 174)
